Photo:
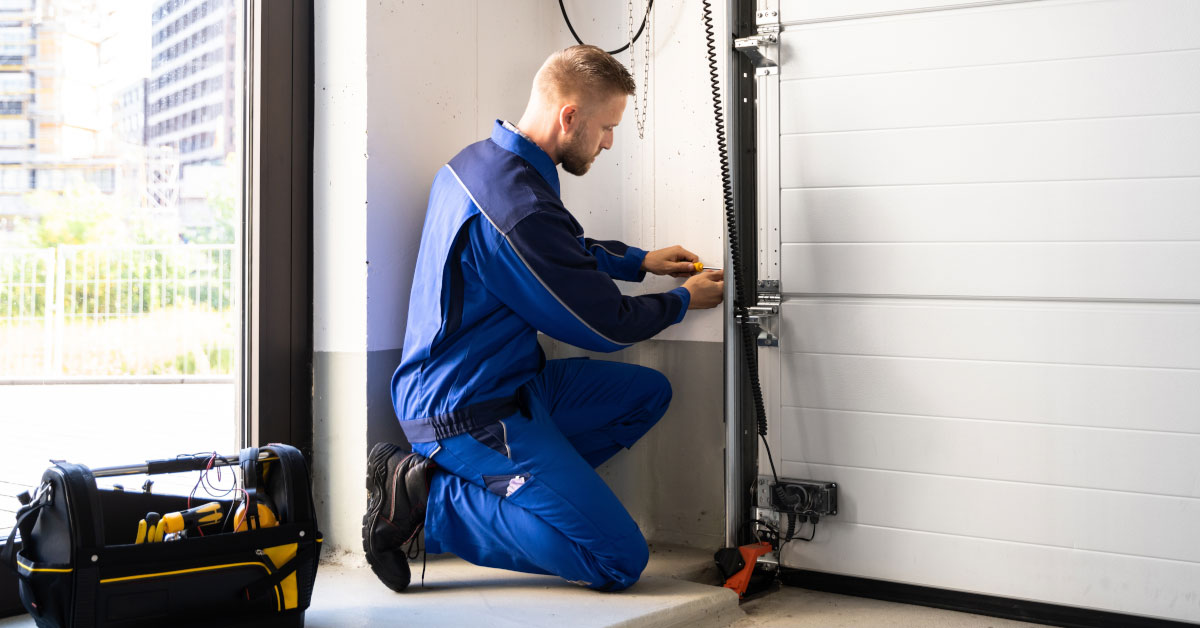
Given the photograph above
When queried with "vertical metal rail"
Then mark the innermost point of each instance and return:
(733, 360)
(733, 413)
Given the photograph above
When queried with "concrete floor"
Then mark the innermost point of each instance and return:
(676, 591)
(791, 607)
(456, 594)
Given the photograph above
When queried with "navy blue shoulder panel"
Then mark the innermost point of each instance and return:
(505, 186)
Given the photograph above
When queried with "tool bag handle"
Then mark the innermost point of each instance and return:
(290, 484)
(248, 460)
(26, 517)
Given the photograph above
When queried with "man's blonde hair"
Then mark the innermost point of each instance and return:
(584, 71)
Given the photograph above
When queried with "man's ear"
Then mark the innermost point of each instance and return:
(568, 117)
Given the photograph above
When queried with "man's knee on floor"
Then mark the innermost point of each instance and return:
(627, 565)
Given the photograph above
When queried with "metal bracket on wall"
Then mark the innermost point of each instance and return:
(755, 47)
(766, 17)
(759, 47)
(765, 313)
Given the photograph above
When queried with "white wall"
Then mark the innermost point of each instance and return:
(664, 189)
(428, 100)
(339, 274)
(403, 87)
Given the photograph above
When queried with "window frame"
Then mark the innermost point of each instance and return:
(275, 374)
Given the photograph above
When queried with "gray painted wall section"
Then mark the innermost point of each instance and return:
(381, 417)
(339, 446)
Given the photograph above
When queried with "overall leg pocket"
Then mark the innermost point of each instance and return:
(494, 436)
(506, 485)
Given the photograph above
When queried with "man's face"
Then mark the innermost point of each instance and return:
(592, 134)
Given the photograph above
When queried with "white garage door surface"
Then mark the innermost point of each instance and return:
(986, 224)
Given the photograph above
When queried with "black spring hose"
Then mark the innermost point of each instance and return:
(571, 28)
(749, 339)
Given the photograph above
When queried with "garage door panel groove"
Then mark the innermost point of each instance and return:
(979, 37)
(1102, 521)
(785, 409)
(1051, 394)
(979, 125)
(1125, 584)
(1133, 270)
(1044, 332)
(1145, 147)
(1044, 91)
(1076, 456)
(991, 361)
(1128, 210)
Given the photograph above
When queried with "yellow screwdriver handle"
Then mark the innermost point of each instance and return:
(152, 521)
(200, 515)
(141, 533)
(209, 513)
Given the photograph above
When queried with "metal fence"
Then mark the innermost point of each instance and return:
(99, 311)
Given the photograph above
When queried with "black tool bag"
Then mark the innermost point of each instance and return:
(79, 566)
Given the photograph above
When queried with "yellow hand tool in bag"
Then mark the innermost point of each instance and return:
(173, 522)
(148, 529)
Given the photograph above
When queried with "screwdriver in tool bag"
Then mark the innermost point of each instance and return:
(147, 528)
(199, 516)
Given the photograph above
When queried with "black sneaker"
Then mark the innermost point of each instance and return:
(398, 490)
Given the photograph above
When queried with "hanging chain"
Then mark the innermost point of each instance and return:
(640, 110)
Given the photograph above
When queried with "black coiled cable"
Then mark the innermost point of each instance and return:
(749, 340)
(571, 28)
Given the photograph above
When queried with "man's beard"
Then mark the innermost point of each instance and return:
(575, 158)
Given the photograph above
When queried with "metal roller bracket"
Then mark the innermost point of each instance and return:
(765, 313)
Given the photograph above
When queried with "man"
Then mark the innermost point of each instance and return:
(505, 442)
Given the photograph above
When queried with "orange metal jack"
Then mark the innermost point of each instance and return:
(750, 553)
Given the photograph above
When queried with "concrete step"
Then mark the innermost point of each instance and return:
(674, 591)
(678, 589)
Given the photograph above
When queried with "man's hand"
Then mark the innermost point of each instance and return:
(707, 288)
(675, 261)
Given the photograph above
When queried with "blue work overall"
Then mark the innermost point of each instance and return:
(516, 437)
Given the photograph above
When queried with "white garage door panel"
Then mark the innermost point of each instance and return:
(985, 222)
(1126, 270)
(1129, 398)
(1084, 519)
(1126, 584)
(1060, 211)
(1032, 31)
(1113, 148)
(1049, 90)
(1154, 463)
(796, 10)
(1113, 334)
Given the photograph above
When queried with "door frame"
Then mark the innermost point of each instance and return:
(275, 374)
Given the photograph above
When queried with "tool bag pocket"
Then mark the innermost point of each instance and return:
(41, 586)
(81, 563)
(266, 574)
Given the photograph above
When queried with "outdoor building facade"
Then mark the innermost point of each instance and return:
(192, 84)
